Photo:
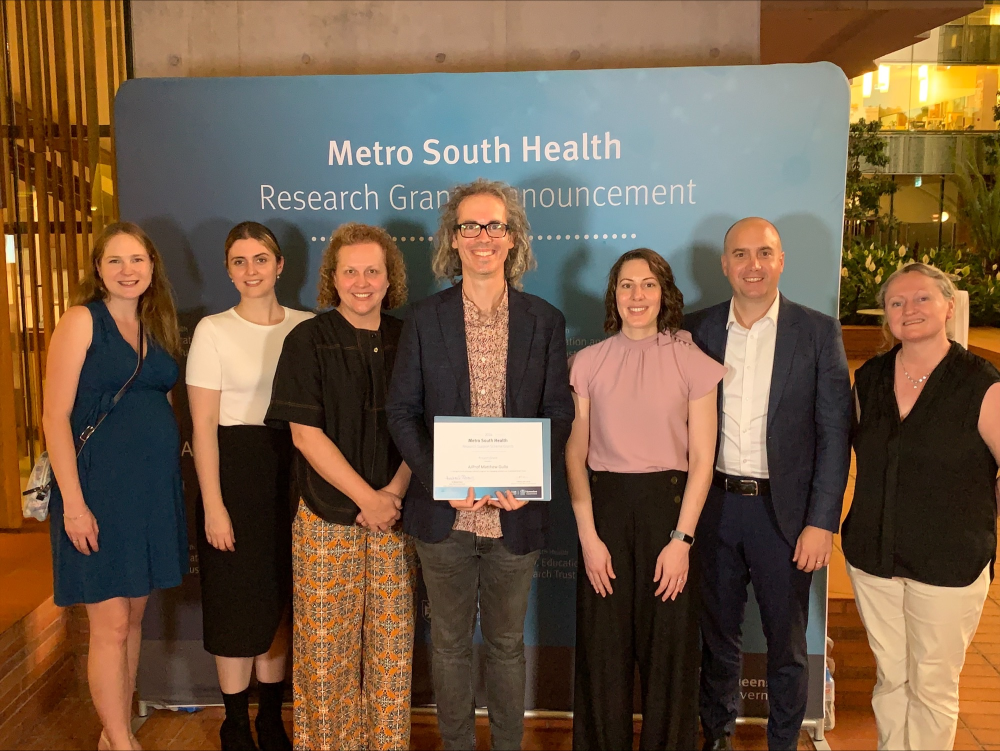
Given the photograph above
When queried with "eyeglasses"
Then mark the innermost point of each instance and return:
(470, 230)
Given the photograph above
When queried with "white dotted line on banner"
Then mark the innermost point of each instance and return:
(595, 236)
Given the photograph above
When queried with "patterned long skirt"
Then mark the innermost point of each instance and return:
(353, 606)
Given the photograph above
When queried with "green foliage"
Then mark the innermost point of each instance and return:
(870, 255)
(863, 192)
(866, 264)
(980, 208)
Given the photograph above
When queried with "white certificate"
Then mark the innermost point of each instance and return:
(491, 454)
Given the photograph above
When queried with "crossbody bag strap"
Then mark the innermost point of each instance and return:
(89, 430)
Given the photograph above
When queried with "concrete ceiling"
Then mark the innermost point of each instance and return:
(849, 33)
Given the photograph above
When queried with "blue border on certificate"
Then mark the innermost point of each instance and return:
(460, 494)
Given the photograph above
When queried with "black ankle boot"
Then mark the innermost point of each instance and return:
(235, 732)
(271, 734)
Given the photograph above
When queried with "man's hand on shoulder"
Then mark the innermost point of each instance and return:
(813, 549)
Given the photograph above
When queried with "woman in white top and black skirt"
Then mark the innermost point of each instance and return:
(244, 518)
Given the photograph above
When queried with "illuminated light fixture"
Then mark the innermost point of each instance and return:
(883, 78)
(866, 85)
(944, 216)
(918, 181)
(922, 75)
(995, 15)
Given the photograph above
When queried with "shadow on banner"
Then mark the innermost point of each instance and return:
(604, 161)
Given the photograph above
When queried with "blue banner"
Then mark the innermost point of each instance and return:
(605, 161)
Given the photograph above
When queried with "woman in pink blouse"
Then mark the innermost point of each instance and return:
(646, 428)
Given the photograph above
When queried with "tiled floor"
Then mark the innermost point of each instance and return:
(979, 718)
(74, 725)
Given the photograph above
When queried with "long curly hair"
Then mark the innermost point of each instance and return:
(671, 314)
(354, 233)
(448, 265)
(156, 307)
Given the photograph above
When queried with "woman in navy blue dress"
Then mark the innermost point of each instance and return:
(118, 528)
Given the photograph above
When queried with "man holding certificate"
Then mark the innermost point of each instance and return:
(483, 350)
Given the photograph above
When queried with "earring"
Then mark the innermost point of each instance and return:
(279, 276)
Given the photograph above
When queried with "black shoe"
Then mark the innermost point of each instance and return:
(236, 736)
(271, 733)
(722, 743)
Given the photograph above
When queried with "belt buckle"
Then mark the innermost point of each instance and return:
(748, 487)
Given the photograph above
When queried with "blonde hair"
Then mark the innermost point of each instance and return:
(448, 265)
(943, 281)
(354, 233)
(156, 307)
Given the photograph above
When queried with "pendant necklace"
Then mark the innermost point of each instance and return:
(915, 381)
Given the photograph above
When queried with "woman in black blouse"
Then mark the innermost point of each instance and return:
(354, 569)
(921, 536)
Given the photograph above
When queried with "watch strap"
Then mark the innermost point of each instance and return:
(678, 535)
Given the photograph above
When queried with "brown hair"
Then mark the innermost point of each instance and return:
(253, 231)
(448, 265)
(671, 300)
(354, 233)
(156, 307)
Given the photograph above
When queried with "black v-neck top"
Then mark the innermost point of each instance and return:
(924, 506)
(334, 376)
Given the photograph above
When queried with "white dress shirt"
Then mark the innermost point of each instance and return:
(746, 388)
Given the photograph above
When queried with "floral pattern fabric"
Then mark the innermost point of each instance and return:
(486, 342)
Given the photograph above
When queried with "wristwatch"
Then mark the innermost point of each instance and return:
(678, 535)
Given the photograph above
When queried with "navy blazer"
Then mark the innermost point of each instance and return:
(431, 378)
(808, 412)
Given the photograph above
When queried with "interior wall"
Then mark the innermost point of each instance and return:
(293, 37)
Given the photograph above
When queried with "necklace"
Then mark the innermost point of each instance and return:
(915, 381)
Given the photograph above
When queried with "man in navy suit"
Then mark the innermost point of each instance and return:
(781, 472)
(482, 348)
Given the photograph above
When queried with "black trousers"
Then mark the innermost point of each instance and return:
(739, 543)
(634, 515)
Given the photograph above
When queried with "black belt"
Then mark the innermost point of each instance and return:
(742, 485)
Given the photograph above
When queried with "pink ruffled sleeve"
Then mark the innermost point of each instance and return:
(700, 372)
(580, 371)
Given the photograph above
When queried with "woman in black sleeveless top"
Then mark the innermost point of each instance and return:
(921, 535)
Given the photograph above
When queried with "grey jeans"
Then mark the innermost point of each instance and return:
(461, 572)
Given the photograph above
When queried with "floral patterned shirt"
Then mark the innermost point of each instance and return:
(486, 342)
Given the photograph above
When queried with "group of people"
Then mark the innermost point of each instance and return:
(702, 454)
